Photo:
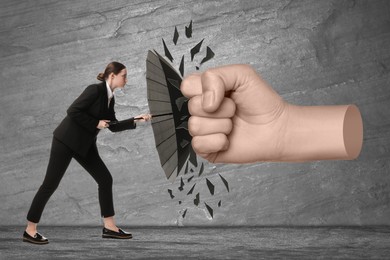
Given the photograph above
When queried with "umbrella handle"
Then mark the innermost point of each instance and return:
(138, 118)
(166, 114)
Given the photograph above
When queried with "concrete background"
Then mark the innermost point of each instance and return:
(311, 52)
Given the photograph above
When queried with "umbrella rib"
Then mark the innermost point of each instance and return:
(161, 120)
(157, 82)
(166, 140)
(163, 101)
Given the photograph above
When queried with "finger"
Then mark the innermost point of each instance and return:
(210, 143)
(226, 109)
(206, 126)
(215, 82)
(191, 86)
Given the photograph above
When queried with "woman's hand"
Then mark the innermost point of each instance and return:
(143, 117)
(103, 124)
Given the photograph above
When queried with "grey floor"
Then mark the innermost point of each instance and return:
(202, 243)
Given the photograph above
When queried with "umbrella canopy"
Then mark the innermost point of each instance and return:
(170, 114)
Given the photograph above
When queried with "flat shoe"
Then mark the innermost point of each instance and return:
(107, 233)
(38, 239)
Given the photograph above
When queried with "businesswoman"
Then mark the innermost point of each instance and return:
(75, 137)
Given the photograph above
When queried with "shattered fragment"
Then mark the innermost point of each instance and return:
(196, 49)
(174, 83)
(170, 193)
(201, 169)
(219, 203)
(210, 186)
(181, 184)
(189, 30)
(175, 36)
(209, 55)
(180, 102)
(193, 158)
(196, 200)
(224, 181)
(184, 214)
(167, 52)
(191, 190)
(186, 169)
(210, 210)
(181, 68)
(190, 178)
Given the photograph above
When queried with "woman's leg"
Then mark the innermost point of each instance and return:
(98, 170)
(60, 157)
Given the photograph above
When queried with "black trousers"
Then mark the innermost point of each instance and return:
(60, 157)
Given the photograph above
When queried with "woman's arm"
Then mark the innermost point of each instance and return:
(117, 126)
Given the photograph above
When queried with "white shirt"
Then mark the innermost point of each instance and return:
(109, 93)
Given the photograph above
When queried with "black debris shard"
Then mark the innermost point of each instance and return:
(210, 210)
(186, 169)
(224, 182)
(175, 36)
(201, 169)
(210, 186)
(184, 214)
(196, 200)
(170, 193)
(190, 178)
(167, 52)
(193, 159)
(191, 190)
(189, 30)
(209, 55)
(181, 184)
(174, 83)
(181, 68)
(179, 103)
(219, 203)
(196, 49)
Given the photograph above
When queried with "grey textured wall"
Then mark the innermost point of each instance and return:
(311, 52)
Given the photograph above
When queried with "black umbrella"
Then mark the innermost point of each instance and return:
(170, 115)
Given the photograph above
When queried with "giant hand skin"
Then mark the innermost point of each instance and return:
(236, 117)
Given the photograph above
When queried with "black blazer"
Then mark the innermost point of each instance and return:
(78, 129)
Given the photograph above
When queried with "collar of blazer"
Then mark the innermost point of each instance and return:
(102, 87)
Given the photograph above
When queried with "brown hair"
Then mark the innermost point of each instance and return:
(113, 67)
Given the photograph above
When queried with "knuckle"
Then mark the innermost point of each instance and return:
(196, 144)
(184, 85)
(194, 126)
(228, 126)
(194, 105)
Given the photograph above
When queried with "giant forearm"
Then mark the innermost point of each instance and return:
(322, 133)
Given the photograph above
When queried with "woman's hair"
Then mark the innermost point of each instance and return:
(113, 67)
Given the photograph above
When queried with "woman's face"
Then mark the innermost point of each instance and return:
(119, 80)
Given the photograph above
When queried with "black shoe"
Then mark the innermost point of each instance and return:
(118, 235)
(37, 239)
